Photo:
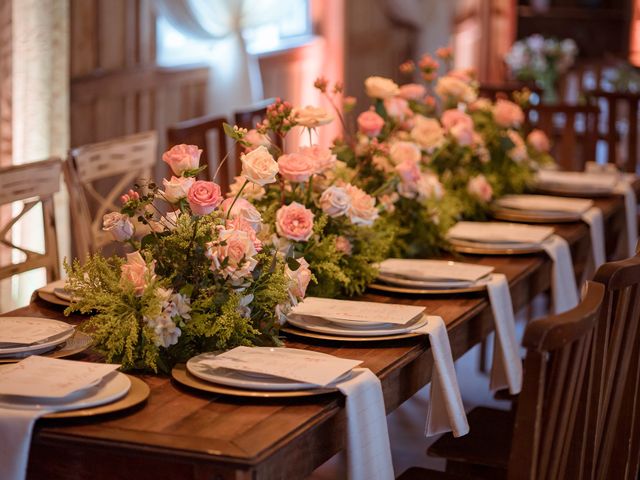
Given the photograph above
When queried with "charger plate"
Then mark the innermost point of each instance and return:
(561, 192)
(182, 376)
(383, 287)
(78, 342)
(467, 247)
(51, 298)
(532, 217)
(299, 332)
(137, 394)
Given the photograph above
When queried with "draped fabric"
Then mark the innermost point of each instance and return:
(234, 80)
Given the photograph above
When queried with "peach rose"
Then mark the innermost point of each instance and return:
(519, 151)
(480, 188)
(294, 222)
(507, 114)
(204, 197)
(428, 133)
(539, 141)
(242, 209)
(256, 139)
(298, 279)
(362, 210)
(405, 151)
(312, 117)
(453, 117)
(335, 201)
(259, 167)
(118, 225)
(182, 157)
(370, 123)
(453, 89)
(397, 108)
(343, 245)
(296, 167)
(413, 91)
(462, 134)
(232, 254)
(177, 188)
(429, 187)
(136, 272)
(380, 87)
(481, 104)
(251, 191)
(322, 157)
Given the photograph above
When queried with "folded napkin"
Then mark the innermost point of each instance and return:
(593, 218)
(368, 447)
(507, 365)
(446, 411)
(625, 187)
(576, 181)
(434, 270)
(499, 232)
(545, 203)
(563, 280)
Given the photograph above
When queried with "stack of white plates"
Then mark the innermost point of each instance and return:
(576, 183)
(497, 237)
(24, 336)
(434, 274)
(540, 208)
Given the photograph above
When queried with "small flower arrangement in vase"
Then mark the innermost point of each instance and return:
(200, 279)
(312, 210)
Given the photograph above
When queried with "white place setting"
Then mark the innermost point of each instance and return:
(55, 293)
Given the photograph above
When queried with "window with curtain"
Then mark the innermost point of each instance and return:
(289, 27)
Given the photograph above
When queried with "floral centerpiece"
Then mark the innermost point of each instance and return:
(199, 280)
(313, 210)
(542, 60)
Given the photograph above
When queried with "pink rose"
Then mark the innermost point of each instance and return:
(239, 223)
(362, 210)
(507, 114)
(462, 134)
(519, 151)
(177, 188)
(322, 157)
(137, 273)
(480, 188)
(409, 173)
(296, 167)
(335, 201)
(298, 279)
(242, 209)
(182, 157)
(405, 151)
(429, 187)
(397, 108)
(413, 91)
(370, 123)
(453, 117)
(235, 250)
(343, 245)
(294, 222)
(118, 225)
(256, 139)
(204, 197)
(539, 141)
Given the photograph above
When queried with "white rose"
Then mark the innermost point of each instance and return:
(259, 167)
(455, 89)
(177, 188)
(312, 117)
(335, 201)
(380, 87)
(405, 151)
(118, 225)
(428, 133)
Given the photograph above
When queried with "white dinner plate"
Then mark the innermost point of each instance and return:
(249, 380)
(64, 330)
(111, 388)
(405, 282)
(324, 326)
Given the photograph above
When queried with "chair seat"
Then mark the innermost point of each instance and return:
(488, 442)
(418, 473)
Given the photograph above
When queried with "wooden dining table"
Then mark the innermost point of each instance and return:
(182, 433)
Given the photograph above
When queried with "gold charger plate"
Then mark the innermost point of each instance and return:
(343, 338)
(479, 250)
(137, 394)
(78, 342)
(52, 298)
(383, 287)
(511, 216)
(181, 375)
(567, 193)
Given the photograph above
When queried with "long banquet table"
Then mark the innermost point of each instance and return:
(186, 434)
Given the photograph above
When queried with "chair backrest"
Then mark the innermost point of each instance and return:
(248, 117)
(573, 130)
(195, 132)
(97, 175)
(617, 376)
(618, 126)
(548, 434)
(31, 183)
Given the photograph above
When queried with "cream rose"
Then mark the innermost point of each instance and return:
(380, 87)
(322, 157)
(362, 210)
(413, 91)
(177, 188)
(256, 139)
(405, 151)
(429, 187)
(507, 114)
(251, 191)
(335, 201)
(298, 279)
(232, 254)
(296, 167)
(118, 225)
(259, 167)
(428, 133)
(397, 108)
(312, 117)
(455, 90)
(182, 157)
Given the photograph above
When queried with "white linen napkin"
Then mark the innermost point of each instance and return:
(563, 279)
(368, 447)
(593, 218)
(625, 188)
(507, 365)
(446, 411)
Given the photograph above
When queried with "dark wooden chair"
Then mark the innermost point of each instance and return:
(573, 130)
(248, 117)
(196, 131)
(618, 126)
(551, 433)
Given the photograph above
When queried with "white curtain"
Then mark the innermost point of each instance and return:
(234, 80)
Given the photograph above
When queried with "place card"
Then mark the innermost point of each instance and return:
(289, 363)
(499, 232)
(28, 330)
(434, 269)
(545, 203)
(350, 310)
(50, 377)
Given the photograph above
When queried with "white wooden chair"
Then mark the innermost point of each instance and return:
(97, 175)
(32, 184)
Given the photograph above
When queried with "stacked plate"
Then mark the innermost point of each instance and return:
(348, 320)
(254, 371)
(540, 208)
(497, 238)
(431, 276)
(576, 183)
(24, 336)
(55, 292)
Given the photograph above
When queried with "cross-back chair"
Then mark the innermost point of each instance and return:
(97, 175)
(573, 130)
(549, 436)
(196, 131)
(32, 184)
